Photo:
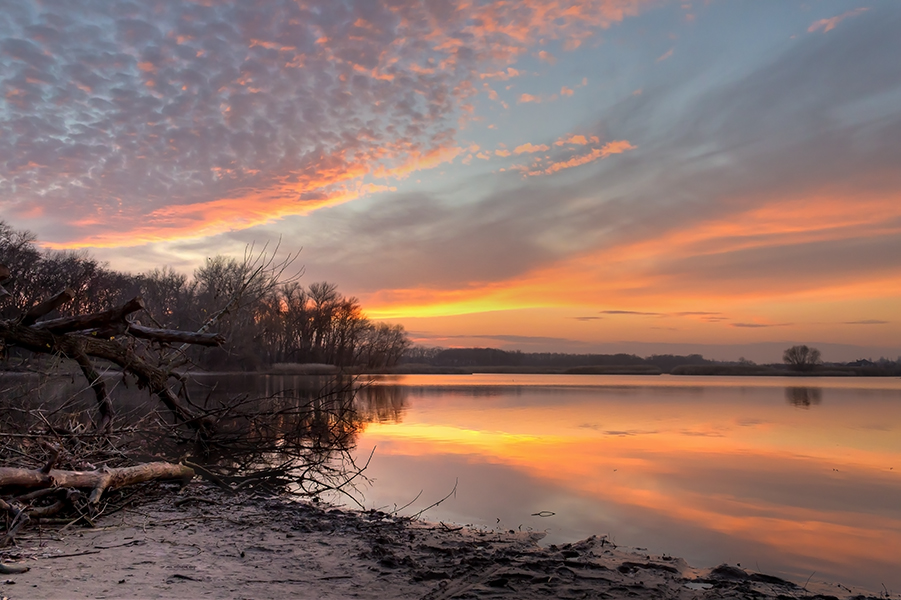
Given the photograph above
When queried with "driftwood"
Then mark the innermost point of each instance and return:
(96, 481)
(65, 485)
(106, 336)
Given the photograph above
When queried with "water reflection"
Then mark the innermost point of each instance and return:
(273, 432)
(803, 397)
(382, 403)
(713, 470)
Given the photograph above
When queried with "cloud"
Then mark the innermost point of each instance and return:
(529, 148)
(609, 149)
(577, 140)
(759, 325)
(565, 91)
(830, 24)
(768, 188)
(630, 312)
(867, 322)
(155, 122)
(527, 98)
(665, 55)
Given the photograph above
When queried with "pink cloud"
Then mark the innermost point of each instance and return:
(206, 117)
(577, 140)
(615, 147)
(530, 148)
(830, 24)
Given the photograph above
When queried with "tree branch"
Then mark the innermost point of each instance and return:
(48, 305)
(171, 335)
(92, 321)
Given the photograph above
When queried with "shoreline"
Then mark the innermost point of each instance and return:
(200, 542)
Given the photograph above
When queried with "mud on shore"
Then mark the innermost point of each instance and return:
(200, 542)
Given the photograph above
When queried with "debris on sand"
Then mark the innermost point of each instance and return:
(268, 547)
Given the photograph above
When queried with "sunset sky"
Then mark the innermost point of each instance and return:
(547, 175)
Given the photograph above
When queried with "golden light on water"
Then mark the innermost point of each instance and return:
(721, 457)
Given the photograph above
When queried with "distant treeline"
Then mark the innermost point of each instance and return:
(265, 316)
(691, 364)
(493, 357)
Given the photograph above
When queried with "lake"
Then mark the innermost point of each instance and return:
(791, 476)
(795, 477)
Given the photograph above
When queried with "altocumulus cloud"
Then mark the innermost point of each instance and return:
(125, 123)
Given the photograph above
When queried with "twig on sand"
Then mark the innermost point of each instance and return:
(86, 552)
(451, 493)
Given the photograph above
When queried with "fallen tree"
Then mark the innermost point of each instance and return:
(27, 491)
(108, 336)
(292, 441)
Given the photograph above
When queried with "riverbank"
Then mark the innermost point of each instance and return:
(691, 370)
(200, 542)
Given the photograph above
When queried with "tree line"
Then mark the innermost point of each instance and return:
(265, 314)
(494, 357)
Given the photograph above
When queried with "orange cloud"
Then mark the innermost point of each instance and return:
(565, 91)
(665, 55)
(530, 148)
(615, 147)
(577, 140)
(526, 98)
(191, 221)
(830, 24)
(636, 273)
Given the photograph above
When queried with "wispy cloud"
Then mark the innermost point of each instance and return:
(609, 149)
(831, 23)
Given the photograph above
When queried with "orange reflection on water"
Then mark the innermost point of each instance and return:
(817, 488)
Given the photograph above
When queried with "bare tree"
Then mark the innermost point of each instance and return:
(801, 358)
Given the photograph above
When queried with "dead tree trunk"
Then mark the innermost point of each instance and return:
(109, 336)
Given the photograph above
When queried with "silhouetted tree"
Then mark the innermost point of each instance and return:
(263, 315)
(801, 358)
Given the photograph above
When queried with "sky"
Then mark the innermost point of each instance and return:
(544, 175)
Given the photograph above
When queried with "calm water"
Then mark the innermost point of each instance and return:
(793, 477)
(788, 476)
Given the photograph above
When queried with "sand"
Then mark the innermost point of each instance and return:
(201, 543)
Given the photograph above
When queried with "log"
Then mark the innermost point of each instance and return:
(92, 321)
(174, 336)
(48, 305)
(96, 481)
(8, 569)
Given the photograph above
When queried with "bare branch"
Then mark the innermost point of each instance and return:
(173, 336)
(92, 321)
(48, 305)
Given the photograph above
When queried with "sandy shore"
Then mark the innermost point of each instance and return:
(201, 543)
